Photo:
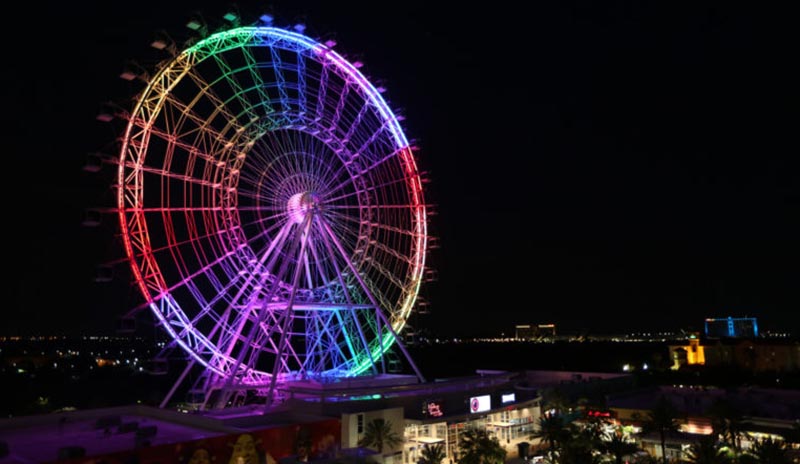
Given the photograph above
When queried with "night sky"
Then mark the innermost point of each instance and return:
(606, 166)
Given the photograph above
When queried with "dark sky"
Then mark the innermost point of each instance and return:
(608, 166)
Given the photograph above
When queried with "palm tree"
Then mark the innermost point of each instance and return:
(618, 446)
(595, 428)
(552, 430)
(579, 446)
(662, 419)
(768, 451)
(707, 450)
(431, 454)
(727, 421)
(479, 447)
(378, 434)
(556, 399)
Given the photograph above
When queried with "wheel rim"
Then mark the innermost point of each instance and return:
(270, 203)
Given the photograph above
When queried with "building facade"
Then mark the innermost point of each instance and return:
(733, 327)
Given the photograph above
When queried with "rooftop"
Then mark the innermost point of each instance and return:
(45, 438)
(100, 431)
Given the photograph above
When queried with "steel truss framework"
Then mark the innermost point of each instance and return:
(272, 211)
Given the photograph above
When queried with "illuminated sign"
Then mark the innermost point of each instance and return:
(480, 403)
(432, 409)
(593, 413)
(509, 398)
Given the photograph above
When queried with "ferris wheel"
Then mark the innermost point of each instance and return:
(272, 211)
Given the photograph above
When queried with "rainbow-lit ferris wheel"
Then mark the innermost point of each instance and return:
(272, 212)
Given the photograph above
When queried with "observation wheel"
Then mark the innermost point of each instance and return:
(272, 211)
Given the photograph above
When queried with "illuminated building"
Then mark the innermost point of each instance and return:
(734, 327)
(507, 404)
(335, 412)
(691, 354)
(524, 332)
(535, 332)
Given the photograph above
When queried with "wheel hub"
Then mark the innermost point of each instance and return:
(300, 205)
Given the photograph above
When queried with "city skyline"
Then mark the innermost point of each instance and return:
(598, 167)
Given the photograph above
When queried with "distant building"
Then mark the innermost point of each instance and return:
(546, 330)
(535, 332)
(767, 413)
(733, 327)
(756, 355)
(524, 332)
(691, 354)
